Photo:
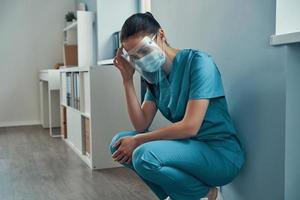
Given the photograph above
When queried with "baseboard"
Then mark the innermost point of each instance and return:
(20, 123)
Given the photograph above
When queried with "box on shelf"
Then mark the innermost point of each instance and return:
(86, 136)
(70, 55)
(63, 121)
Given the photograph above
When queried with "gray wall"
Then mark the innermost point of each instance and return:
(236, 33)
(31, 39)
(292, 161)
(111, 15)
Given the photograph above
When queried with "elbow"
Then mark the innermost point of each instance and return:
(191, 129)
(141, 126)
(141, 129)
(193, 132)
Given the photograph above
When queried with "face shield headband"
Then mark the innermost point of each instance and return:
(148, 59)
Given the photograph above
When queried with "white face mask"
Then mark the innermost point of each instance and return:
(148, 59)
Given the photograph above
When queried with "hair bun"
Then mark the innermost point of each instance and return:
(149, 14)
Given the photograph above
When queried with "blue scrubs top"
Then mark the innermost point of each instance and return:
(194, 75)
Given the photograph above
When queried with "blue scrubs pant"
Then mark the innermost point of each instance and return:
(184, 169)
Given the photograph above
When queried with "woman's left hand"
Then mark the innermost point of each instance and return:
(126, 146)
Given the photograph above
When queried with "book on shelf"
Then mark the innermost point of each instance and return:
(68, 88)
(73, 90)
(76, 90)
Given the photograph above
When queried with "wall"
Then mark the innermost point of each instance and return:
(236, 33)
(292, 160)
(111, 15)
(31, 39)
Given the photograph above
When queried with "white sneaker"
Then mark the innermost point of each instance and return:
(219, 196)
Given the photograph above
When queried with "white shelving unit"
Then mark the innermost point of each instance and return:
(75, 87)
(75, 110)
(69, 27)
(106, 62)
(101, 115)
(287, 38)
(92, 100)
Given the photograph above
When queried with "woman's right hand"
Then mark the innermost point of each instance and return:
(124, 66)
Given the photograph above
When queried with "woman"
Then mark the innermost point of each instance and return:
(199, 150)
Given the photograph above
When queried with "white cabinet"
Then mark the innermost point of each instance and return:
(91, 127)
(93, 105)
(108, 111)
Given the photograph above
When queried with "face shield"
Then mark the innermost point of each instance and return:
(148, 59)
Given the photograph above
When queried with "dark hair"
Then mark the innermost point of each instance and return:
(143, 23)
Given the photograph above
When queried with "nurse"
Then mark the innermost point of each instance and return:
(200, 149)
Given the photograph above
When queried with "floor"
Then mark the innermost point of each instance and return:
(34, 166)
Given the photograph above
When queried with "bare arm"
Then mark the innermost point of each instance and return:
(140, 116)
(185, 128)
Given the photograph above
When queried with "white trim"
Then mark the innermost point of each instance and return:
(106, 62)
(20, 123)
(74, 69)
(70, 26)
(286, 38)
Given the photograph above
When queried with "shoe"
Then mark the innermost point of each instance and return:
(219, 195)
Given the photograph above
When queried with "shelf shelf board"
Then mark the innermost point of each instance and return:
(69, 43)
(73, 25)
(87, 115)
(106, 62)
(287, 38)
(74, 69)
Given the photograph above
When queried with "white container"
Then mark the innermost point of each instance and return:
(81, 7)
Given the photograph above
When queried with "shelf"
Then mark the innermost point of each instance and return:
(75, 69)
(87, 115)
(47, 70)
(287, 38)
(73, 25)
(106, 62)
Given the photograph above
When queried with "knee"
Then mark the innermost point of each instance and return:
(145, 160)
(118, 136)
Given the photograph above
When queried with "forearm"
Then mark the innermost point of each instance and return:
(178, 130)
(135, 112)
